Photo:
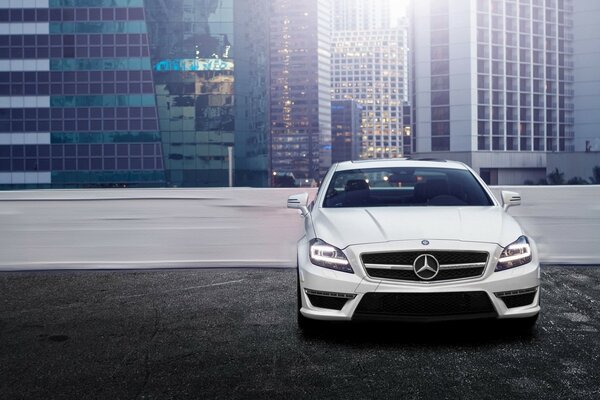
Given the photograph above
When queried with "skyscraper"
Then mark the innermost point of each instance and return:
(192, 50)
(361, 15)
(300, 102)
(369, 65)
(494, 83)
(252, 107)
(586, 49)
(345, 130)
(81, 82)
(77, 103)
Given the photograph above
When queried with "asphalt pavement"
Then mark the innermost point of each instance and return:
(231, 333)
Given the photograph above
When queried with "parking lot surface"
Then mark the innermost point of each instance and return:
(232, 333)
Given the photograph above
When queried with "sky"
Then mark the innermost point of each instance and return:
(399, 8)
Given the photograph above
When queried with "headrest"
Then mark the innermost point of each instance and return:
(356, 184)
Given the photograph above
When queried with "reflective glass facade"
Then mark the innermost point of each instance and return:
(77, 105)
(141, 92)
(192, 53)
(252, 117)
(345, 130)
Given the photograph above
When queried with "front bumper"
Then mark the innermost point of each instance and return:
(513, 293)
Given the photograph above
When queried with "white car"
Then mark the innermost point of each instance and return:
(413, 240)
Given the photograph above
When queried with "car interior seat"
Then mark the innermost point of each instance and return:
(357, 193)
(436, 187)
(423, 192)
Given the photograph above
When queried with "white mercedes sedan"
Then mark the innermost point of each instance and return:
(413, 240)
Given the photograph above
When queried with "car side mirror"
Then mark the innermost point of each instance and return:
(299, 202)
(510, 199)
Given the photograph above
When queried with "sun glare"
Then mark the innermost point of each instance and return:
(399, 9)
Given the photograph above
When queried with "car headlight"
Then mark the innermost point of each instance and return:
(515, 254)
(328, 256)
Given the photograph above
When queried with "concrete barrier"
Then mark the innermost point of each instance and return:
(131, 228)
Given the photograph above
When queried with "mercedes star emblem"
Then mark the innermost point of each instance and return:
(426, 267)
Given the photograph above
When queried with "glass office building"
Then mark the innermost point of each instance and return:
(192, 52)
(252, 112)
(282, 92)
(345, 130)
(494, 84)
(101, 93)
(369, 64)
(115, 93)
(300, 84)
(77, 104)
(377, 79)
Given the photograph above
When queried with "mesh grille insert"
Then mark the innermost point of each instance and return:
(408, 257)
(410, 275)
(424, 304)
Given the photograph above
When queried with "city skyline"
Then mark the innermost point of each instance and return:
(100, 93)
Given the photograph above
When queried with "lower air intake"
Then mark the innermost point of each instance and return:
(453, 305)
(332, 303)
(518, 300)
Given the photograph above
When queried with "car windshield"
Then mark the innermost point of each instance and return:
(394, 187)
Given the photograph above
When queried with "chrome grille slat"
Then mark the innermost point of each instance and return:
(454, 265)
(461, 266)
(390, 266)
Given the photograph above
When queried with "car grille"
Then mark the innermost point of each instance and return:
(399, 265)
(423, 305)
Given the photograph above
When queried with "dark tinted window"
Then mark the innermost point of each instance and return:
(391, 187)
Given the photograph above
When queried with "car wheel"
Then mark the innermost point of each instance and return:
(305, 324)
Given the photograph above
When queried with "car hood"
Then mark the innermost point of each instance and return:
(344, 227)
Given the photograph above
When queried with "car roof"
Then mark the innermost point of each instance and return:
(399, 162)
